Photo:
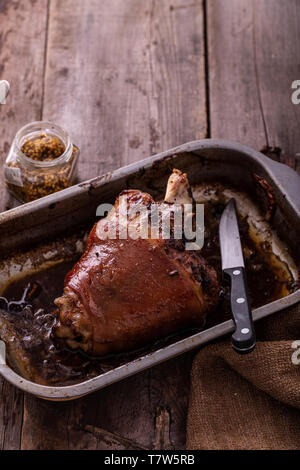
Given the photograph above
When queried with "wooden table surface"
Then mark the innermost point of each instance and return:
(128, 79)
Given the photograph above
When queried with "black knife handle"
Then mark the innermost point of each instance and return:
(243, 339)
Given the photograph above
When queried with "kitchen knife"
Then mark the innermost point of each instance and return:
(243, 339)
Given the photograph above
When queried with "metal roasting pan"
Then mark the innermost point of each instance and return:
(51, 217)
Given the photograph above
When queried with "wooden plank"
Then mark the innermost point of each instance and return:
(127, 80)
(11, 415)
(22, 49)
(254, 56)
(22, 44)
(125, 411)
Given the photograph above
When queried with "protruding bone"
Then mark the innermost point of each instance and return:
(178, 189)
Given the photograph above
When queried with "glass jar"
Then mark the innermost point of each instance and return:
(41, 161)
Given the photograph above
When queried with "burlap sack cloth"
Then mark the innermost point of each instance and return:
(251, 401)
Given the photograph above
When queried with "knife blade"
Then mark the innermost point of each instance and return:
(2, 353)
(233, 266)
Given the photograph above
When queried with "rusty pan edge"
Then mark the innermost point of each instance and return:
(72, 392)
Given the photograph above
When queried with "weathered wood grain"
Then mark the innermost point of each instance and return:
(253, 58)
(22, 45)
(127, 409)
(11, 416)
(22, 48)
(126, 78)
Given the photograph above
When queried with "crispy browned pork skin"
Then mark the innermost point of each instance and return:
(124, 293)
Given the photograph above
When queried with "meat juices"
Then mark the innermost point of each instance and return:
(124, 293)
